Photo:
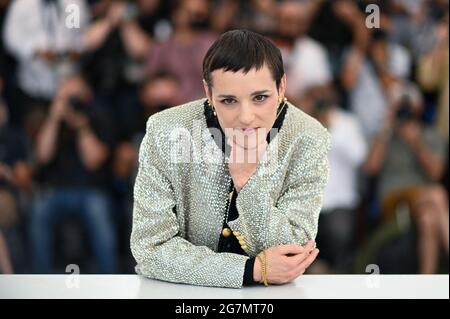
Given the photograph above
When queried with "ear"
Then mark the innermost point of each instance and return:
(207, 91)
(282, 88)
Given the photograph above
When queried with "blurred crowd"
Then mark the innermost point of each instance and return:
(74, 102)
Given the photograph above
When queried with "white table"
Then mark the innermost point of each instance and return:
(307, 286)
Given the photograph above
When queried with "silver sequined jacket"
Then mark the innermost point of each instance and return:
(180, 196)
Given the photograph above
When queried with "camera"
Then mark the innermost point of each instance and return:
(77, 104)
(404, 112)
(131, 11)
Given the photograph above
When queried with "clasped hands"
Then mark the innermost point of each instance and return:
(284, 263)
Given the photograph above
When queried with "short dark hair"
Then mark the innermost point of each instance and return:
(237, 50)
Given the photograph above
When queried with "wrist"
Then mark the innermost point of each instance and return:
(263, 259)
(386, 133)
(257, 275)
(417, 146)
(83, 130)
(53, 119)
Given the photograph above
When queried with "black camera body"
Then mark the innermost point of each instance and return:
(404, 111)
(77, 104)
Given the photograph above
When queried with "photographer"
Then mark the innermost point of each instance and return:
(118, 42)
(367, 75)
(338, 217)
(15, 185)
(189, 41)
(72, 153)
(408, 158)
(47, 49)
(306, 60)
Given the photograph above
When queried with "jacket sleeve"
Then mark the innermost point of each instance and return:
(292, 218)
(161, 253)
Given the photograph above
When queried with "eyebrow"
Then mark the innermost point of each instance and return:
(232, 96)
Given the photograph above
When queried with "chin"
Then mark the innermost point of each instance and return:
(248, 145)
(245, 147)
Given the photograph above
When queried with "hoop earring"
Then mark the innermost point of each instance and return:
(281, 106)
(212, 107)
(283, 100)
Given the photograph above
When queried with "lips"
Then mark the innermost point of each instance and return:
(249, 131)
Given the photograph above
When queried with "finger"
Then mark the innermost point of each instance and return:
(299, 258)
(298, 249)
(308, 261)
(232, 141)
(300, 270)
(261, 144)
(310, 245)
(308, 248)
(290, 249)
(234, 149)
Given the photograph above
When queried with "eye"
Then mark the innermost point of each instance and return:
(227, 101)
(261, 98)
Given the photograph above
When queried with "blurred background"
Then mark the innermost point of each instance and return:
(74, 102)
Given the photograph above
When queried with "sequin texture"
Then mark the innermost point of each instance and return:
(180, 196)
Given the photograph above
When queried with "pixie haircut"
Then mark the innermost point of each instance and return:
(242, 50)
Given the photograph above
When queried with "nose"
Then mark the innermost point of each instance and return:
(246, 115)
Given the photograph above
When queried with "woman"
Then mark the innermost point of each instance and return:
(219, 199)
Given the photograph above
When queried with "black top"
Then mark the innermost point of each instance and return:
(13, 148)
(66, 169)
(231, 244)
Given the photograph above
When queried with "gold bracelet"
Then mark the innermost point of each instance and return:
(263, 260)
(262, 267)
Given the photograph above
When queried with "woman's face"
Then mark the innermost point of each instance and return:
(246, 104)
